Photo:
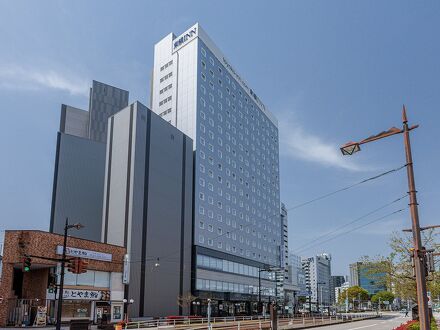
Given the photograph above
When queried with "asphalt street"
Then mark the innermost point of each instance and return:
(386, 322)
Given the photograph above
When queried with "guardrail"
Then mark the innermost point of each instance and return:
(245, 322)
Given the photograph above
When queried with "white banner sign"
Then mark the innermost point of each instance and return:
(87, 254)
(126, 273)
(81, 294)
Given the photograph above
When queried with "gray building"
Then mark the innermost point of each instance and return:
(148, 207)
(285, 287)
(336, 281)
(236, 169)
(317, 272)
(80, 162)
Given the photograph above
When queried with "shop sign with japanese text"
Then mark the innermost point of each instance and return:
(87, 254)
(70, 294)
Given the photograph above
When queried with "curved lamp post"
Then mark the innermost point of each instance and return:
(419, 254)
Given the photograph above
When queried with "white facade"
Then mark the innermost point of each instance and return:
(340, 289)
(317, 271)
(237, 203)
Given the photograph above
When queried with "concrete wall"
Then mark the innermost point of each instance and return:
(74, 121)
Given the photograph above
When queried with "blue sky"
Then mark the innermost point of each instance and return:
(330, 71)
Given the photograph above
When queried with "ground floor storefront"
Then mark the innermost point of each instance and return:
(39, 312)
(31, 279)
(229, 304)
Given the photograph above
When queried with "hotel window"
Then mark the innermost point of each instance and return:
(202, 75)
(201, 210)
(210, 228)
(202, 196)
(203, 51)
(211, 60)
(201, 224)
(201, 239)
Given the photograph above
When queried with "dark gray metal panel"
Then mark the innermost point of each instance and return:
(78, 194)
(159, 210)
(163, 284)
(105, 101)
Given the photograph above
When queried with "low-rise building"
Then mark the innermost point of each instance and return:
(30, 297)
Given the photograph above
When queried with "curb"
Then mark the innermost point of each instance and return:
(327, 324)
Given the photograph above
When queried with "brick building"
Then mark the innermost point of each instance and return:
(91, 295)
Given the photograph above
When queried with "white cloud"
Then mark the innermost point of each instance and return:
(297, 143)
(20, 78)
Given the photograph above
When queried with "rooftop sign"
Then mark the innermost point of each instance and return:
(87, 254)
(184, 38)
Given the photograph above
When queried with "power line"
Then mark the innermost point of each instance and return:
(346, 188)
(292, 208)
(351, 222)
(319, 198)
(353, 229)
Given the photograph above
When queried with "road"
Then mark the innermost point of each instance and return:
(386, 322)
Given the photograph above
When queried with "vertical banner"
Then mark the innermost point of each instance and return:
(126, 273)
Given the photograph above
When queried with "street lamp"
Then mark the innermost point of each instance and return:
(77, 226)
(127, 303)
(196, 305)
(317, 294)
(419, 254)
(268, 269)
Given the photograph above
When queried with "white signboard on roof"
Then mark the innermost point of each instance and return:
(87, 254)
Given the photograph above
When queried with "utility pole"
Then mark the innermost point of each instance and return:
(63, 266)
(209, 314)
(61, 290)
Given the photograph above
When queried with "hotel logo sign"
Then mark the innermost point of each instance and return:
(184, 38)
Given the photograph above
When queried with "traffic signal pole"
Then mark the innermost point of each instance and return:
(61, 288)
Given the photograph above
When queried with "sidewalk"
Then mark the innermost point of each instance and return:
(66, 327)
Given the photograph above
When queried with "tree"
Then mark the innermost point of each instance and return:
(398, 266)
(185, 300)
(383, 296)
(353, 292)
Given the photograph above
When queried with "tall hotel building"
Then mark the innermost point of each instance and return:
(236, 216)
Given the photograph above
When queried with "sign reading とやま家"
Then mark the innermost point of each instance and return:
(72, 294)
